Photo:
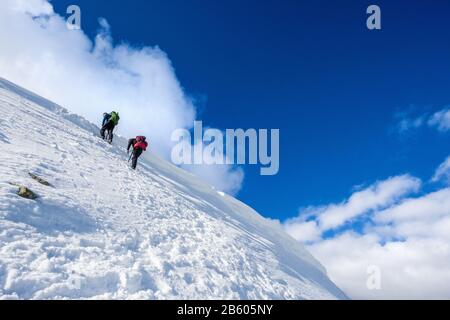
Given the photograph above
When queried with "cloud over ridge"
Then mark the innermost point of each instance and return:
(89, 77)
(403, 232)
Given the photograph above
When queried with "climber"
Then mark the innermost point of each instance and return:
(110, 121)
(139, 145)
(106, 117)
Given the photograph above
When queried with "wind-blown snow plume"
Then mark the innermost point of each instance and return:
(40, 53)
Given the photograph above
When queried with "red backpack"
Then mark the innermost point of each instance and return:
(141, 143)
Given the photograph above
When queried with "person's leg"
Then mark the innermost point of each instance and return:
(102, 132)
(134, 161)
(111, 133)
(136, 154)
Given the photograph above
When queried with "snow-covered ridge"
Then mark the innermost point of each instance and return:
(104, 231)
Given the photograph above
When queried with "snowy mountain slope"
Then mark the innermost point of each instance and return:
(104, 231)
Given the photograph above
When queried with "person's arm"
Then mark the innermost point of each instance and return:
(106, 119)
(130, 143)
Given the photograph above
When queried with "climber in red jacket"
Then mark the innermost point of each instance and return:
(139, 145)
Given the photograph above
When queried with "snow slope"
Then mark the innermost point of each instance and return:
(103, 231)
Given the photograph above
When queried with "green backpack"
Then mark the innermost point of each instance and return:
(115, 118)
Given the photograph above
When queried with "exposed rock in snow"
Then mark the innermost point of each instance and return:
(26, 193)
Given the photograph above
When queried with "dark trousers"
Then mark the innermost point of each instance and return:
(136, 154)
(108, 128)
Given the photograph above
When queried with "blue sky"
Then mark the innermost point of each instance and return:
(312, 69)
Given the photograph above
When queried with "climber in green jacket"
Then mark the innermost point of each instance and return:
(110, 121)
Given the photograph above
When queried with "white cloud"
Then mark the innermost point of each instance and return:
(303, 231)
(443, 172)
(417, 268)
(407, 124)
(407, 238)
(222, 177)
(39, 53)
(440, 120)
(33, 7)
(377, 196)
(424, 209)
